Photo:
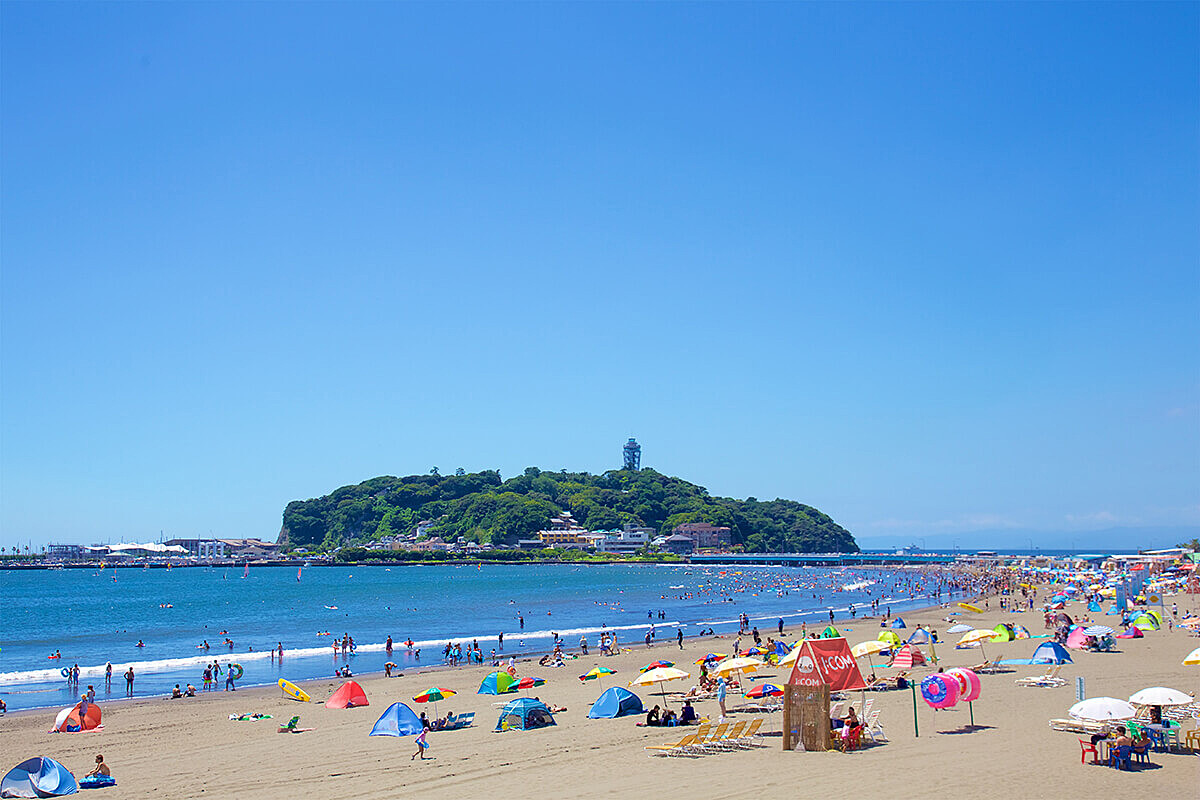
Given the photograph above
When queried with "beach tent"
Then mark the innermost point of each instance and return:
(826, 661)
(497, 683)
(908, 656)
(959, 628)
(615, 702)
(68, 720)
(1050, 653)
(1132, 632)
(1020, 632)
(524, 714)
(1076, 639)
(349, 695)
(1146, 621)
(830, 632)
(890, 637)
(1003, 633)
(1093, 606)
(919, 636)
(398, 720)
(898, 623)
(38, 777)
(1112, 610)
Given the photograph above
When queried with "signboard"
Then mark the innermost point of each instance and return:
(1079, 695)
(829, 662)
(1137, 579)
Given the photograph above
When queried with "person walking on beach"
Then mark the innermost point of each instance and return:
(229, 687)
(679, 637)
(422, 745)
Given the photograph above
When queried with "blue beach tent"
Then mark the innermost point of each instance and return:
(1051, 653)
(398, 720)
(524, 714)
(497, 683)
(919, 636)
(38, 777)
(1093, 606)
(898, 623)
(615, 702)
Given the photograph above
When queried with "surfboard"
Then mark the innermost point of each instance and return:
(293, 691)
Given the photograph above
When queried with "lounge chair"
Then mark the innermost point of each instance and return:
(673, 748)
(874, 729)
(748, 737)
(714, 736)
(1048, 679)
(729, 740)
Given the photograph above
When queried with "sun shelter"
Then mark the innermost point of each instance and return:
(69, 721)
(907, 657)
(1077, 639)
(919, 636)
(1093, 607)
(524, 714)
(1132, 632)
(1020, 632)
(349, 695)
(1147, 621)
(38, 777)
(891, 637)
(898, 623)
(1003, 633)
(830, 632)
(615, 702)
(827, 661)
(398, 720)
(1050, 653)
(497, 683)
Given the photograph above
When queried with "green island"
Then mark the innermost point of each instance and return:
(497, 517)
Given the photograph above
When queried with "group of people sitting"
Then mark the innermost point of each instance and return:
(1119, 737)
(176, 693)
(655, 717)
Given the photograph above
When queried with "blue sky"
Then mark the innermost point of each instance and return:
(930, 268)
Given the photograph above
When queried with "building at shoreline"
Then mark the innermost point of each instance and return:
(706, 537)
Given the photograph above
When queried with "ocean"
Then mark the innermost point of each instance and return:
(94, 616)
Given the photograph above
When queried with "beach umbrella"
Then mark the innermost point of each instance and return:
(970, 607)
(738, 665)
(765, 690)
(1099, 709)
(710, 657)
(656, 665)
(596, 672)
(1192, 659)
(432, 695)
(1097, 630)
(959, 628)
(530, 682)
(791, 657)
(1161, 696)
(978, 637)
(868, 649)
(660, 675)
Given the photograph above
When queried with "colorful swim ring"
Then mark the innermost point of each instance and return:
(969, 685)
(512, 671)
(940, 691)
(236, 671)
(66, 673)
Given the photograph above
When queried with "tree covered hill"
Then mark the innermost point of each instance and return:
(483, 508)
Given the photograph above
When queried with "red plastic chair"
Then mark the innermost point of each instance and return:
(853, 740)
(1088, 746)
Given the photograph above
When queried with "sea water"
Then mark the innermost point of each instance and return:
(95, 616)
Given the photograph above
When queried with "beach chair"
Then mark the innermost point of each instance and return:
(865, 711)
(715, 735)
(672, 748)
(837, 711)
(1088, 746)
(1141, 752)
(290, 726)
(1120, 755)
(747, 739)
(874, 729)
(730, 740)
(1045, 679)
(853, 740)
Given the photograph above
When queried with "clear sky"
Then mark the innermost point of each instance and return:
(930, 268)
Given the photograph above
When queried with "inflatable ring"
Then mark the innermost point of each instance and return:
(512, 671)
(66, 673)
(940, 691)
(236, 671)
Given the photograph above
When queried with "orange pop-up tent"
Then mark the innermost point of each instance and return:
(69, 721)
(349, 695)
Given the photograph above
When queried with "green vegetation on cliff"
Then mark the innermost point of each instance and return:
(482, 508)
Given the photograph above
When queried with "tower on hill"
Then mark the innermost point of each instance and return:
(633, 455)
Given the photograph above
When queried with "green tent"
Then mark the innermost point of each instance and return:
(891, 637)
(1003, 633)
(830, 632)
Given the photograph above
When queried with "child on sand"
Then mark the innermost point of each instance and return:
(422, 745)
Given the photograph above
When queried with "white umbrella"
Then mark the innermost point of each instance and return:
(1161, 696)
(1102, 708)
(1098, 630)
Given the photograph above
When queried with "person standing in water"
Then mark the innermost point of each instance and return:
(108, 675)
(129, 681)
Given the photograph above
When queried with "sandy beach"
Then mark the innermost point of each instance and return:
(189, 748)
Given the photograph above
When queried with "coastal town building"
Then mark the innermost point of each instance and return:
(706, 537)
(679, 544)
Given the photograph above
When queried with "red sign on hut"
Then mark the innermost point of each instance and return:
(827, 661)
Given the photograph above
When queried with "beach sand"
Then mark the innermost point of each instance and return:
(189, 748)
